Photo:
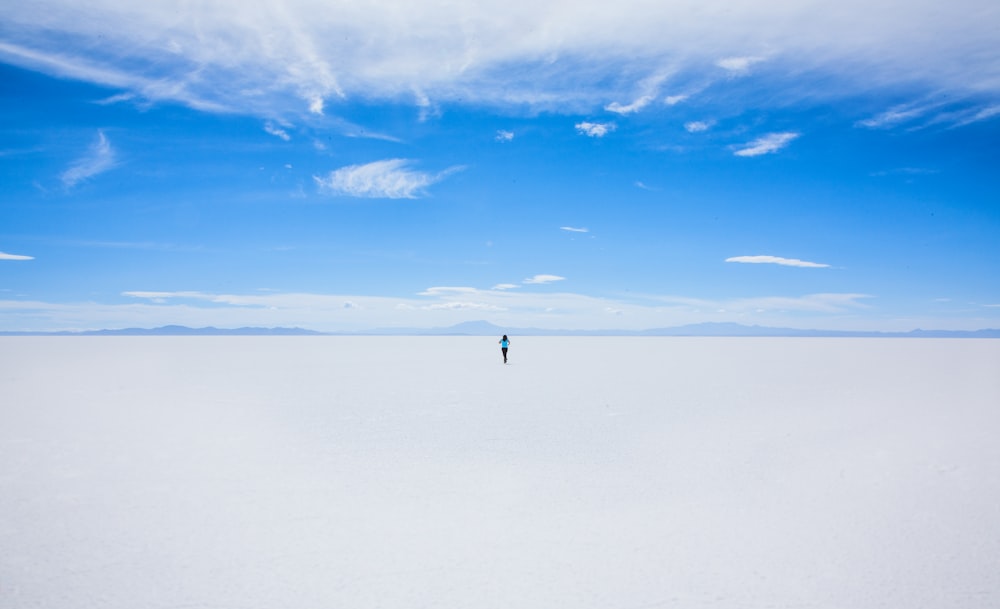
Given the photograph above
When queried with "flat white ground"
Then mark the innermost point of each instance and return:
(400, 473)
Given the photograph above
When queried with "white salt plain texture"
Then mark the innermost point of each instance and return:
(399, 473)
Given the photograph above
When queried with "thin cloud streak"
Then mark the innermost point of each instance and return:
(388, 179)
(635, 106)
(6, 256)
(895, 116)
(543, 279)
(99, 159)
(172, 87)
(276, 131)
(768, 144)
(777, 260)
(289, 57)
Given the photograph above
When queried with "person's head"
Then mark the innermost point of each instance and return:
(505, 337)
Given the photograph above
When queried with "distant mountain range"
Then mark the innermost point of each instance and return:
(178, 331)
(484, 328)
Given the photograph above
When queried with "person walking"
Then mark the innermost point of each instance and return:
(504, 343)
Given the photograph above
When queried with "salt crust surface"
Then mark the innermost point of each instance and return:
(604, 473)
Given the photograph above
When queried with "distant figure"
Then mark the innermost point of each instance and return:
(504, 343)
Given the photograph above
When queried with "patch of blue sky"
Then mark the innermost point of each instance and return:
(267, 157)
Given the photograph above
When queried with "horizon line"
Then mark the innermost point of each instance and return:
(468, 328)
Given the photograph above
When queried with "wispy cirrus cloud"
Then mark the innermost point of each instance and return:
(595, 129)
(573, 229)
(977, 115)
(543, 279)
(631, 108)
(173, 86)
(504, 136)
(289, 56)
(922, 114)
(448, 291)
(464, 306)
(768, 144)
(738, 65)
(276, 131)
(99, 158)
(698, 126)
(6, 256)
(777, 260)
(895, 116)
(647, 92)
(388, 179)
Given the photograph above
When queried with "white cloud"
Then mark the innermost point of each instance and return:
(738, 65)
(115, 99)
(698, 126)
(542, 279)
(595, 129)
(458, 306)
(162, 297)
(673, 100)
(174, 87)
(100, 158)
(6, 256)
(276, 131)
(777, 260)
(635, 106)
(768, 144)
(505, 286)
(647, 91)
(980, 115)
(448, 291)
(504, 136)
(294, 55)
(388, 179)
(894, 116)
(572, 229)
(917, 115)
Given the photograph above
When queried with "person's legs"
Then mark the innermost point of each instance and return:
(504, 349)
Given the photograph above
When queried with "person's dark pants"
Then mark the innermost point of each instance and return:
(504, 349)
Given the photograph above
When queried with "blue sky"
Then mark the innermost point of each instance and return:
(569, 165)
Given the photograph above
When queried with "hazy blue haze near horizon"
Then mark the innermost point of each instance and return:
(484, 328)
(574, 166)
